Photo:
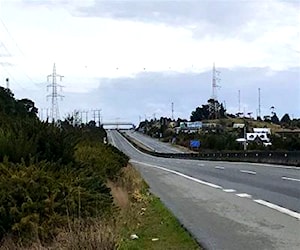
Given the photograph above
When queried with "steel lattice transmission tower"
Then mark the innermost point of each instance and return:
(54, 112)
(215, 81)
(214, 106)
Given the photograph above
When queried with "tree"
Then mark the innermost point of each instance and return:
(27, 106)
(285, 119)
(200, 113)
(274, 119)
(212, 110)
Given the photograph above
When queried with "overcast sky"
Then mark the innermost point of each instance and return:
(134, 58)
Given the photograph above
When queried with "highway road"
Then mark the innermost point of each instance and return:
(151, 143)
(225, 205)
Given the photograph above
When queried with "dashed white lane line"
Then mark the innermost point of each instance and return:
(248, 172)
(279, 208)
(180, 174)
(289, 179)
(219, 167)
(201, 164)
(244, 195)
(229, 190)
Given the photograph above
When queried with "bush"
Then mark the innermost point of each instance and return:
(51, 174)
(36, 201)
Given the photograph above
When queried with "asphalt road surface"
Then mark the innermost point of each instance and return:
(225, 205)
(151, 143)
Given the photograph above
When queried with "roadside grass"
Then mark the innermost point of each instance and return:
(159, 229)
(147, 217)
(137, 212)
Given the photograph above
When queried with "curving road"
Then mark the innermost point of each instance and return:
(151, 143)
(225, 205)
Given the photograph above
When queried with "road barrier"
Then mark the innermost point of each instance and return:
(291, 158)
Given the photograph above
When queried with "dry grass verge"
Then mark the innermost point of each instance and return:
(137, 212)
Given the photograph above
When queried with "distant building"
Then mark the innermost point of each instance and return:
(189, 127)
(262, 130)
(259, 136)
(238, 125)
(253, 136)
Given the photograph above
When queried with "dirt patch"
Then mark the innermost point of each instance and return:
(120, 194)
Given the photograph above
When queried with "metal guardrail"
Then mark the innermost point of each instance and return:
(291, 158)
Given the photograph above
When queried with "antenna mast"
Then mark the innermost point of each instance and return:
(259, 106)
(239, 96)
(54, 112)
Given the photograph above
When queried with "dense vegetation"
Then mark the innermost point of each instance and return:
(50, 173)
(220, 135)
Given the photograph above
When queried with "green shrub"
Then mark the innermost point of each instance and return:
(36, 201)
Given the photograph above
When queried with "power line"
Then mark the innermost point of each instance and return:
(17, 46)
(6, 29)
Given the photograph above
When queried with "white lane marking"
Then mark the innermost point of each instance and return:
(180, 174)
(113, 141)
(243, 195)
(279, 208)
(218, 167)
(224, 162)
(201, 164)
(248, 172)
(261, 164)
(229, 190)
(289, 179)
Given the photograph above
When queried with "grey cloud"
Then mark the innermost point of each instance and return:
(5, 64)
(220, 16)
(150, 93)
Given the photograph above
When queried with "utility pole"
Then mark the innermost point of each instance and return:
(99, 117)
(86, 116)
(245, 136)
(98, 112)
(239, 100)
(7, 83)
(172, 106)
(94, 115)
(41, 114)
(54, 113)
(259, 106)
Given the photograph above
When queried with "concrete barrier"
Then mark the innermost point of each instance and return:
(291, 158)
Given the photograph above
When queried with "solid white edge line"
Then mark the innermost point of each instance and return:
(180, 174)
(289, 178)
(279, 208)
(248, 172)
(243, 195)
